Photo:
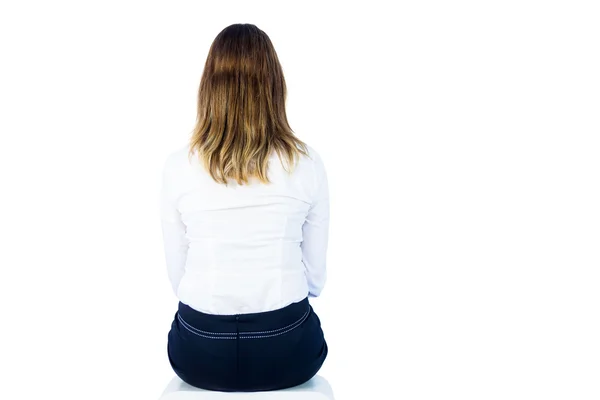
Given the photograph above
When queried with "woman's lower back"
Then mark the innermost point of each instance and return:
(242, 290)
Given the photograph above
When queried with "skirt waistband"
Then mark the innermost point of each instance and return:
(244, 326)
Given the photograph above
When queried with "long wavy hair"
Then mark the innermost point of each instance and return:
(241, 116)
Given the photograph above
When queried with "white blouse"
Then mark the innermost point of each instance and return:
(240, 249)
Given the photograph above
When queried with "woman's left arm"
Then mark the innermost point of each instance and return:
(173, 228)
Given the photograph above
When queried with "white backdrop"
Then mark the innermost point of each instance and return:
(461, 141)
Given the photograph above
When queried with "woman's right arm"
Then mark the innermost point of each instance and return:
(315, 232)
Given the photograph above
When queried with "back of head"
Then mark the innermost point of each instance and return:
(241, 116)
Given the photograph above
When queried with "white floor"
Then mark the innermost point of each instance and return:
(317, 388)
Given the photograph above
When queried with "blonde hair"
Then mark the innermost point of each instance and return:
(241, 116)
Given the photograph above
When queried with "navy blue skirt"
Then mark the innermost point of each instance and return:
(247, 352)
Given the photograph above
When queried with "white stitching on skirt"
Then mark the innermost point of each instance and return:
(189, 328)
(205, 332)
(244, 335)
(299, 322)
(280, 329)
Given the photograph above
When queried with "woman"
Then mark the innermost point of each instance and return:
(245, 219)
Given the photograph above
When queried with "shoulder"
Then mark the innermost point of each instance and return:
(177, 158)
(316, 161)
(314, 157)
(312, 152)
(315, 168)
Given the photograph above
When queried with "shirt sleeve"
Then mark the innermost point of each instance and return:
(315, 232)
(173, 229)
